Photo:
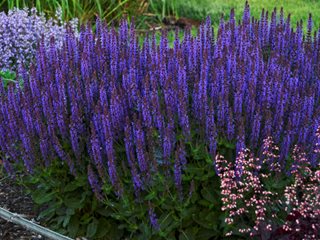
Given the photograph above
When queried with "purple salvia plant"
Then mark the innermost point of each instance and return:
(87, 96)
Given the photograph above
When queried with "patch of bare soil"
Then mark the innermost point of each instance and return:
(14, 199)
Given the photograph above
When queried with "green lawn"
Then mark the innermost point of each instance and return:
(198, 9)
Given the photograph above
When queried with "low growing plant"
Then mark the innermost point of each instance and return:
(263, 202)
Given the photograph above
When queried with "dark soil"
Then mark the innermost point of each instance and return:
(14, 199)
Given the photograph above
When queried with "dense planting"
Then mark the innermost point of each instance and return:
(145, 124)
(256, 80)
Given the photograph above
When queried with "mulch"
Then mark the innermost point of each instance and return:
(14, 199)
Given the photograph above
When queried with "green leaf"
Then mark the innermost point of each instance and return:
(208, 195)
(195, 170)
(103, 228)
(150, 196)
(94, 204)
(40, 197)
(200, 219)
(226, 143)
(72, 202)
(115, 233)
(187, 222)
(194, 197)
(60, 220)
(81, 181)
(66, 220)
(186, 235)
(92, 228)
(204, 203)
(145, 231)
(86, 218)
(73, 226)
(106, 212)
(70, 211)
(187, 212)
(70, 187)
(212, 217)
(206, 234)
(50, 211)
(165, 220)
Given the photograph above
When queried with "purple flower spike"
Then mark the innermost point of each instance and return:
(153, 219)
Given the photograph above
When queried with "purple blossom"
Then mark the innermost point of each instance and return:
(96, 153)
(139, 139)
(153, 219)
(177, 175)
(128, 140)
(95, 185)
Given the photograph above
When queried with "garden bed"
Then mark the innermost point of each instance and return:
(14, 199)
(177, 135)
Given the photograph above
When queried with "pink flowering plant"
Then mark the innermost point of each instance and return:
(264, 202)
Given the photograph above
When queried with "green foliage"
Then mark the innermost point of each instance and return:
(84, 10)
(163, 8)
(8, 78)
(69, 206)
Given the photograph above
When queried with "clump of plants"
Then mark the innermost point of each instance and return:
(275, 205)
(118, 135)
(22, 29)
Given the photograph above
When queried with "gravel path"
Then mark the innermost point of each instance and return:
(15, 200)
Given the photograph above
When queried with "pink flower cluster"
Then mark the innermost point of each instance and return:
(257, 205)
(303, 199)
(244, 194)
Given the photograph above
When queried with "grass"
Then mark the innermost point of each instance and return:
(150, 12)
(299, 9)
(84, 10)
